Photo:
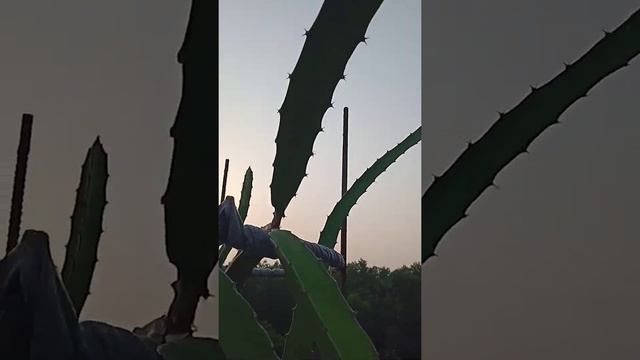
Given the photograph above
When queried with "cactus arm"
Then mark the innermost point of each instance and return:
(86, 226)
(190, 198)
(446, 200)
(335, 220)
(242, 337)
(338, 29)
(339, 335)
(245, 196)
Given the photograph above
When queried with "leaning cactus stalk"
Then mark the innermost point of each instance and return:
(190, 199)
(338, 29)
(445, 202)
(86, 226)
(338, 215)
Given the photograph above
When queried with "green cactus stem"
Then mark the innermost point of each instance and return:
(328, 319)
(241, 335)
(334, 222)
(447, 199)
(86, 226)
(338, 29)
(245, 195)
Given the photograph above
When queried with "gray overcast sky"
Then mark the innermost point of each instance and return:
(545, 267)
(260, 42)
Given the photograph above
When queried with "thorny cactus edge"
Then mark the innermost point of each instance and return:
(446, 200)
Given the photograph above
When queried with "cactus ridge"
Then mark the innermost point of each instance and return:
(449, 196)
(242, 337)
(334, 221)
(86, 226)
(330, 42)
(320, 303)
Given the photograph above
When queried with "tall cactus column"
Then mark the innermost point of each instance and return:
(190, 201)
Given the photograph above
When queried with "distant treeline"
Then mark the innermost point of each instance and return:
(387, 304)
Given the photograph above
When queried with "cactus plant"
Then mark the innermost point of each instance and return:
(338, 29)
(320, 306)
(335, 220)
(448, 197)
(190, 199)
(86, 226)
(323, 322)
(242, 337)
(245, 196)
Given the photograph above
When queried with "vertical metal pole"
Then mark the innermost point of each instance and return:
(343, 231)
(224, 180)
(19, 181)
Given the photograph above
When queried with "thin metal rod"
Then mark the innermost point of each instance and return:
(19, 181)
(343, 231)
(224, 180)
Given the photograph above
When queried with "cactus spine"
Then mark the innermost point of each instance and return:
(334, 222)
(86, 226)
(447, 199)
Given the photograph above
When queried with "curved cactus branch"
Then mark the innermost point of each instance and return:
(335, 220)
(338, 29)
(448, 197)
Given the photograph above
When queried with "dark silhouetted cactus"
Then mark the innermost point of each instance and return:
(447, 199)
(86, 226)
(191, 196)
(245, 196)
(338, 29)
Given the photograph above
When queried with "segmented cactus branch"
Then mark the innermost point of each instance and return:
(86, 226)
(329, 233)
(338, 29)
(191, 196)
(447, 199)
